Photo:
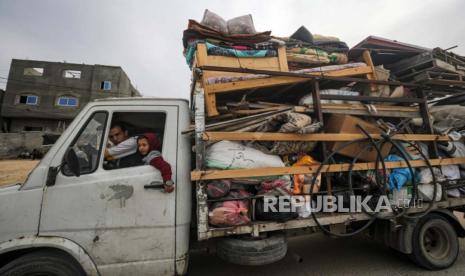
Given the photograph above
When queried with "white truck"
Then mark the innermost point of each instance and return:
(75, 217)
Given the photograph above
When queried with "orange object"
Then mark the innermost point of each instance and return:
(302, 179)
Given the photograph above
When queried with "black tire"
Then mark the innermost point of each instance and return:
(43, 262)
(435, 244)
(252, 252)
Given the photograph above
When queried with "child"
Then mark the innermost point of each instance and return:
(149, 147)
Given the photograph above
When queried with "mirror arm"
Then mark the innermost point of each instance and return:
(52, 175)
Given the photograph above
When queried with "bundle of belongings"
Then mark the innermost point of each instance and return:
(347, 107)
(304, 50)
(237, 37)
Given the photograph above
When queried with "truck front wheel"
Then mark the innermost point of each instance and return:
(255, 252)
(435, 244)
(43, 262)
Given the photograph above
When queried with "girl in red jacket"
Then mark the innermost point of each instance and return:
(149, 146)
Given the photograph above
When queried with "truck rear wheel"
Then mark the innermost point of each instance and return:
(43, 262)
(252, 252)
(435, 244)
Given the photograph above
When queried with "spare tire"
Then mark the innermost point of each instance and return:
(253, 252)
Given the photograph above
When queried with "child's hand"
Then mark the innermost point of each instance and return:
(168, 186)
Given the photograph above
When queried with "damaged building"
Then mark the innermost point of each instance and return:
(46, 96)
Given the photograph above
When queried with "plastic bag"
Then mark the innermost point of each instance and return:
(233, 155)
(447, 117)
(231, 212)
(425, 192)
(275, 187)
(398, 177)
(269, 214)
(305, 210)
(308, 99)
(303, 182)
(219, 188)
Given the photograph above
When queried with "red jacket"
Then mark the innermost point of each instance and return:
(154, 157)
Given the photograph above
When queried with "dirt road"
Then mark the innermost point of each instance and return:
(322, 255)
(15, 171)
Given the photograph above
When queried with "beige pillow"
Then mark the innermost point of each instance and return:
(214, 21)
(241, 25)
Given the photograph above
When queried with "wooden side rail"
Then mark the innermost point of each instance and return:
(278, 63)
(260, 172)
(311, 137)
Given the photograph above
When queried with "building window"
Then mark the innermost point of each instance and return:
(67, 101)
(105, 85)
(28, 99)
(34, 71)
(72, 74)
(33, 128)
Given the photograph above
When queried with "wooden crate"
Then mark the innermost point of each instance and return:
(278, 64)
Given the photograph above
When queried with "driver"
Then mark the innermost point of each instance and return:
(123, 149)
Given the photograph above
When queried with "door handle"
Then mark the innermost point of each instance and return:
(154, 185)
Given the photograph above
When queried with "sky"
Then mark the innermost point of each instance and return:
(145, 37)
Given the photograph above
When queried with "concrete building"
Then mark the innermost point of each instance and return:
(46, 96)
(2, 93)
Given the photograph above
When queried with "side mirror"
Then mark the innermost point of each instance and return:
(72, 162)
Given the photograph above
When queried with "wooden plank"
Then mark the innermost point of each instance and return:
(272, 81)
(210, 100)
(372, 74)
(282, 59)
(255, 111)
(272, 171)
(268, 63)
(311, 137)
(264, 63)
(363, 107)
(359, 109)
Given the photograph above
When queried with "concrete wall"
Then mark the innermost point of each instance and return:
(2, 93)
(52, 84)
(46, 125)
(12, 144)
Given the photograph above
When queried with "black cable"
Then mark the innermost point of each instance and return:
(433, 199)
(322, 228)
(379, 158)
(371, 142)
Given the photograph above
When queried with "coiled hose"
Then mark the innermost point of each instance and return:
(382, 185)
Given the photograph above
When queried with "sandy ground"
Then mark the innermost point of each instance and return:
(15, 171)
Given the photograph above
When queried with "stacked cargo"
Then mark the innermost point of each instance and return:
(304, 115)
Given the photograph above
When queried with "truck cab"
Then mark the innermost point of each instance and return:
(103, 220)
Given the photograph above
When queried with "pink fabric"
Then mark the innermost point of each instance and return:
(231, 212)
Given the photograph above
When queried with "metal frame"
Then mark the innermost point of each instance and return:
(205, 232)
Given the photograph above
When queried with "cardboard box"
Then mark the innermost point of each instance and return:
(340, 123)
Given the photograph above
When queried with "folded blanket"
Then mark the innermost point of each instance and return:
(215, 50)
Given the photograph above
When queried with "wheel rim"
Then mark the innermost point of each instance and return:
(436, 243)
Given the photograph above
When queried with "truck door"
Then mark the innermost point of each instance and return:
(125, 227)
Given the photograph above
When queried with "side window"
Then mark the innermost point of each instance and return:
(34, 71)
(67, 101)
(126, 127)
(27, 99)
(89, 143)
(105, 85)
(72, 74)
